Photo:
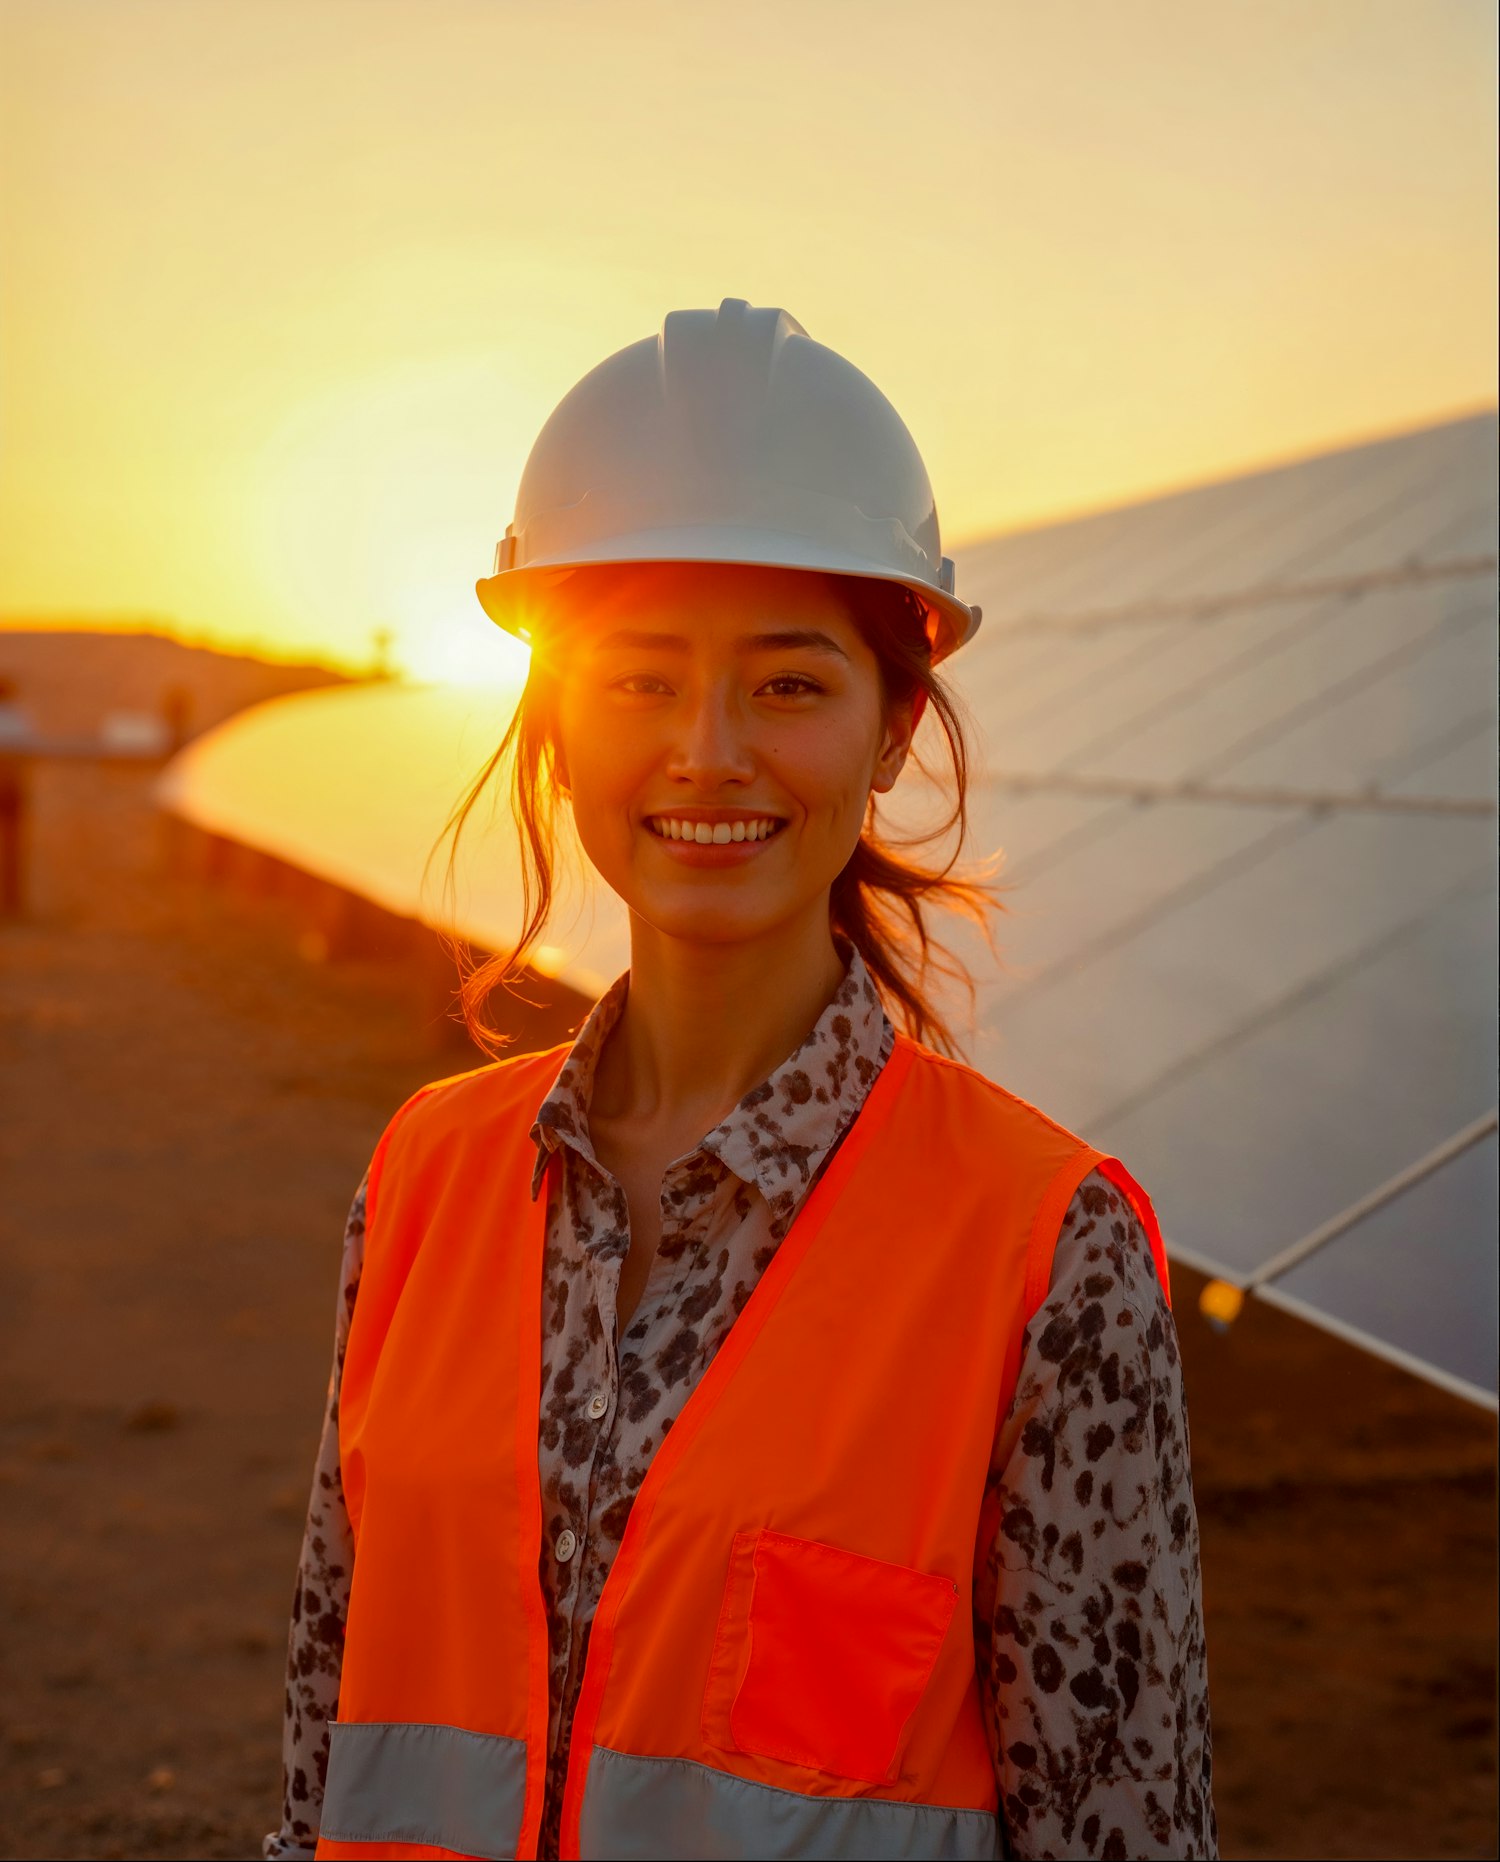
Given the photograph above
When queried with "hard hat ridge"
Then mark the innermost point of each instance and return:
(717, 373)
(731, 436)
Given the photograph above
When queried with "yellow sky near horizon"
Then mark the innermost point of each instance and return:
(289, 285)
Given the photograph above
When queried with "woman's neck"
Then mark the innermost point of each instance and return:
(704, 1023)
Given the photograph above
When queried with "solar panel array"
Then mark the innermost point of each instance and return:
(1241, 756)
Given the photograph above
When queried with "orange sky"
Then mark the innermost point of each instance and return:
(289, 285)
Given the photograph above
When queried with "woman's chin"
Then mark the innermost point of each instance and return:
(707, 921)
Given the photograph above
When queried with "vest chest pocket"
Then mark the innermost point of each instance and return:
(821, 1655)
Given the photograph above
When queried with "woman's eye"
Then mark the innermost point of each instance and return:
(791, 685)
(639, 684)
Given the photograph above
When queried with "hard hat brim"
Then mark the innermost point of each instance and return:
(507, 596)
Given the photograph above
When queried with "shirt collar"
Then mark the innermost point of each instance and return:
(779, 1133)
(563, 1116)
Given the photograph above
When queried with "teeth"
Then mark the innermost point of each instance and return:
(712, 834)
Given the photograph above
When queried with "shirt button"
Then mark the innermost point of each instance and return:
(565, 1544)
(598, 1403)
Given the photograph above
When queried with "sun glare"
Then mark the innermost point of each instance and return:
(451, 648)
(377, 502)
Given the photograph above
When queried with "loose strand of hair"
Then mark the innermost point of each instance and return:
(533, 802)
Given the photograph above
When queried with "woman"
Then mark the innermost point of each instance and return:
(751, 1433)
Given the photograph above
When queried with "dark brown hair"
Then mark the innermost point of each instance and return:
(882, 900)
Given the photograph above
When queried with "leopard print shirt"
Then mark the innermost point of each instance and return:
(1087, 1609)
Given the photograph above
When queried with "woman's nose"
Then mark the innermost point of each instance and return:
(710, 747)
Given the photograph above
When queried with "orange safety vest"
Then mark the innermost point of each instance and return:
(782, 1660)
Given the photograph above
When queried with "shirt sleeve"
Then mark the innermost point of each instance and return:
(320, 1600)
(1088, 1595)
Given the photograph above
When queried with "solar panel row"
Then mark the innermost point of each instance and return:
(1264, 1005)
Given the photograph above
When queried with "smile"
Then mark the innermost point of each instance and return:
(713, 833)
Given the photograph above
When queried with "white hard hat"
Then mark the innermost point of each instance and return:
(730, 437)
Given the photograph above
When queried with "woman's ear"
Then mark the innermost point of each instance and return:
(900, 727)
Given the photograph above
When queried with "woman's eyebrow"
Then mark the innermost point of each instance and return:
(807, 638)
(634, 640)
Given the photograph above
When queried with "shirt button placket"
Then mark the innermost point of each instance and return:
(565, 1544)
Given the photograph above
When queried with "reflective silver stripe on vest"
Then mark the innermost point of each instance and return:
(641, 1810)
(440, 1785)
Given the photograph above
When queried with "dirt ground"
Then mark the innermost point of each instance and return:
(186, 1105)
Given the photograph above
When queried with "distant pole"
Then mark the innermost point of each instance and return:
(380, 665)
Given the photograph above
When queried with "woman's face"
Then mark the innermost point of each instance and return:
(720, 731)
